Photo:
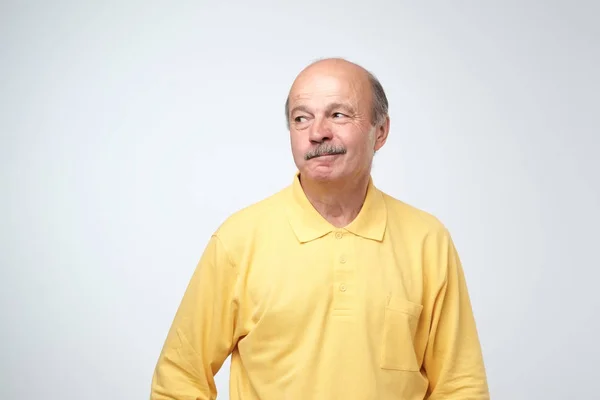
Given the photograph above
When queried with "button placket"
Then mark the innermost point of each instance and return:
(343, 273)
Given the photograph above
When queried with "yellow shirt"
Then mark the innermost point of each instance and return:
(377, 310)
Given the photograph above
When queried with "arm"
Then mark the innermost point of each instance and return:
(453, 359)
(201, 335)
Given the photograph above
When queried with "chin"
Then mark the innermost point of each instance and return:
(322, 175)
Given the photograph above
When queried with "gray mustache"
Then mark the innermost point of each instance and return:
(324, 150)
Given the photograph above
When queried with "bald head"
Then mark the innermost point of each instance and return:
(364, 83)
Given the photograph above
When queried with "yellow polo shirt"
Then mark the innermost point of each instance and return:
(377, 310)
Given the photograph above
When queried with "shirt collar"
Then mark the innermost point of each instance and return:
(308, 224)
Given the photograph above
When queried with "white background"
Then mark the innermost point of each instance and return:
(131, 129)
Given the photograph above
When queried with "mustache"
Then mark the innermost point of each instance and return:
(324, 150)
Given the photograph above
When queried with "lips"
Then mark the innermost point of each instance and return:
(326, 155)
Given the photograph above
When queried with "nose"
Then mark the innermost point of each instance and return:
(320, 131)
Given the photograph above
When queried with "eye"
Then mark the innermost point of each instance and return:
(300, 119)
(338, 115)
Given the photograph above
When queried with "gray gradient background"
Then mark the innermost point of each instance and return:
(130, 130)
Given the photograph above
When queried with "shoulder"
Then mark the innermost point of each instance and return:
(410, 217)
(422, 232)
(246, 222)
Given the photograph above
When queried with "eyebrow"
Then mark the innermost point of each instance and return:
(346, 107)
(299, 108)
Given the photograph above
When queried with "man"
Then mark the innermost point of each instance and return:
(329, 289)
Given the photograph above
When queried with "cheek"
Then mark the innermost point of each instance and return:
(362, 148)
(295, 139)
(299, 146)
(360, 142)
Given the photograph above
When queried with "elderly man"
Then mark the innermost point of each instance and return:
(329, 289)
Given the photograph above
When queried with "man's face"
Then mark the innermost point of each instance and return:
(331, 134)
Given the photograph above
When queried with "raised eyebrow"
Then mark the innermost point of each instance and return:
(346, 107)
(299, 108)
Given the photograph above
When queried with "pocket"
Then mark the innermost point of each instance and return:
(401, 318)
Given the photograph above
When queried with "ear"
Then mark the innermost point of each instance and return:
(381, 133)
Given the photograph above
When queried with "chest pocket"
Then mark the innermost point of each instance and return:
(398, 340)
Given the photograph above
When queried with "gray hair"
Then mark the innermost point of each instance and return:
(379, 109)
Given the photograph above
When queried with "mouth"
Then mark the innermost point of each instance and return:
(326, 155)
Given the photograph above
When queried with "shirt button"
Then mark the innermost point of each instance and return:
(343, 260)
(338, 235)
(342, 288)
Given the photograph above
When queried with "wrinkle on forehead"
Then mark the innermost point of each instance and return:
(333, 80)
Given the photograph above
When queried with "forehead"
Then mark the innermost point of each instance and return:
(322, 86)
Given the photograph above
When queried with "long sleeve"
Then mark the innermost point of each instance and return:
(201, 336)
(453, 360)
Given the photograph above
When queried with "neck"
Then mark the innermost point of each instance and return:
(337, 202)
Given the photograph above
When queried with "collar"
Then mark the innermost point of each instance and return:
(308, 224)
